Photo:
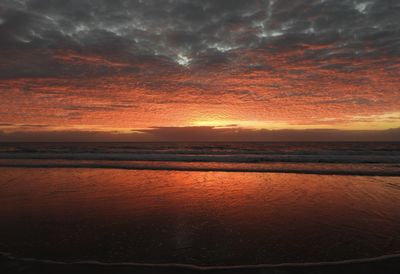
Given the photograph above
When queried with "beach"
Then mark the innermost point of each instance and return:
(197, 218)
(61, 215)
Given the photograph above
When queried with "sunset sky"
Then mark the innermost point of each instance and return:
(199, 70)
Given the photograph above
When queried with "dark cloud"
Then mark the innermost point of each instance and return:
(263, 135)
(23, 126)
(201, 134)
(192, 32)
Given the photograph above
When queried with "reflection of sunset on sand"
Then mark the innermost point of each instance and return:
(206, 218)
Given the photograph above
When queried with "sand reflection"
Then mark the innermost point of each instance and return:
(197, 217)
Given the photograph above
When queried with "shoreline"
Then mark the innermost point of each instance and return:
(133, 166)
(387, 263)
(340, 169)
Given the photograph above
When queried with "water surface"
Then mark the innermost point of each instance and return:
(201, 218)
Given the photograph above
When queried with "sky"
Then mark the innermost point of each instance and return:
(159, 70)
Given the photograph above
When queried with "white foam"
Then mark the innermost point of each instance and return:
(319, 169)
(200, 267)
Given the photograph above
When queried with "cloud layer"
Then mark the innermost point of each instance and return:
(120, 64)
(205, 134)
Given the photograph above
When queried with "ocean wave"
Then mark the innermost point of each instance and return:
(231, 158)
(321, 169)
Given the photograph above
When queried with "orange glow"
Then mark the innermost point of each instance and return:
(216, 96)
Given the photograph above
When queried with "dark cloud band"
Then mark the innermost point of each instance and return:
(190, 31)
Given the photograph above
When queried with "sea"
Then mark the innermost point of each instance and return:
(237, 207)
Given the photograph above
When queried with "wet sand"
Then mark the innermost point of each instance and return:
(196, 219)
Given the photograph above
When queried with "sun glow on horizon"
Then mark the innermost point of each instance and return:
(357, 122)
(237, 123)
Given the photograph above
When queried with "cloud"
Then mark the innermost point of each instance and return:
(204, 134)
(164, 63)
(199, 30)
